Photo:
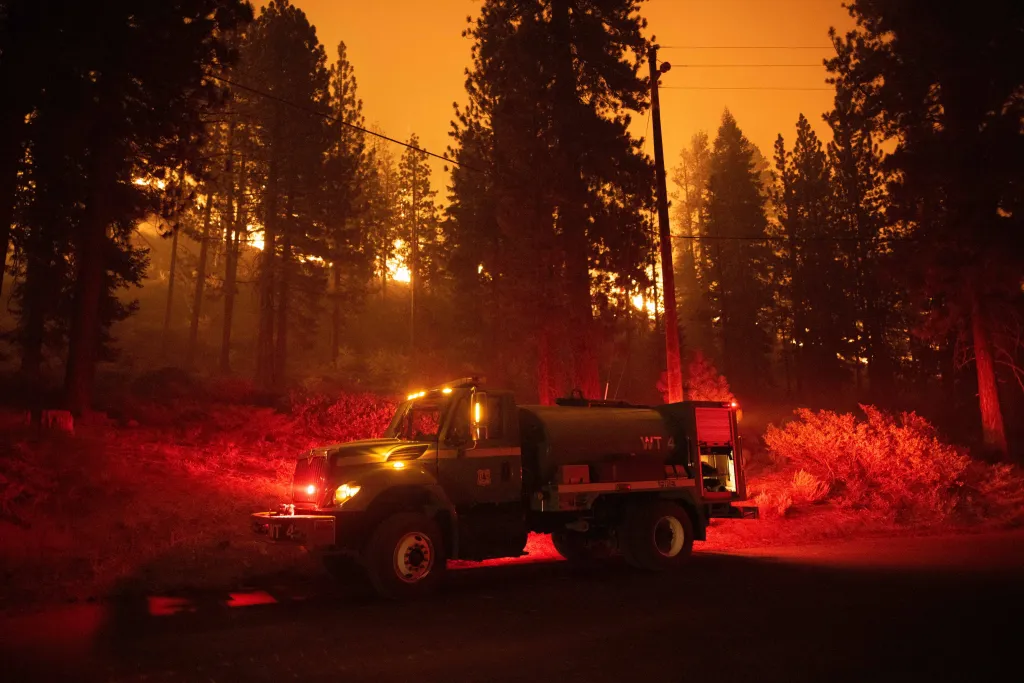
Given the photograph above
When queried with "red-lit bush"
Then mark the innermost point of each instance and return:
(890, 465)
(703, 381)
(805, 488)
(346, 417)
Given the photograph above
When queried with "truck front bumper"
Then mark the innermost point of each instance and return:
(295, 529)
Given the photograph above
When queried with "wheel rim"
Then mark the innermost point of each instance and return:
(414, 557)
(669, 536)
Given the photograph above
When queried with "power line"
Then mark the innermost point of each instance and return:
(752, 238)
(748, 87)
(751, 66)
(324, 115)
(745, 47)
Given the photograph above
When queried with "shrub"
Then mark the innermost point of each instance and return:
(231, 389)
(703, 381)
(807, 488)
(166, 384)
(896, 465)
(387, 370)
(773, 505)
(346, 417)
(996, 492)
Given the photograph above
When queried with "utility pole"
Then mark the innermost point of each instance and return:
(668, 283)
(413, 262)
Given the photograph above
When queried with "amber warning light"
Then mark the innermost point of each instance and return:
(311, 489)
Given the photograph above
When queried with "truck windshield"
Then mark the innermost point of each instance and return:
(417, 420)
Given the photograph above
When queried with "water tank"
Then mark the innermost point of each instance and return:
(553, 436)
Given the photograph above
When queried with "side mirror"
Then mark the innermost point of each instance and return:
(479, 415)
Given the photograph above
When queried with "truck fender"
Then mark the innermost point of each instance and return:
(411, 488)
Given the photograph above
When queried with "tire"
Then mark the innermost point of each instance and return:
(576, 548)
(658, 536)
(405, 556)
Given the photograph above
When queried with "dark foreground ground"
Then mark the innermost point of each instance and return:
(907, 609)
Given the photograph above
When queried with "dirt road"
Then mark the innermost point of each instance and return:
(931, 609)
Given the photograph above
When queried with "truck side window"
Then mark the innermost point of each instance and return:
(495, 418)
(459, 428)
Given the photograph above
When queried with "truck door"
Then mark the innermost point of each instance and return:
(489, 469)
(720, 467)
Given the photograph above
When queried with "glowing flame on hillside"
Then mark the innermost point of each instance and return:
(642, 303)
(398, 269)
(255, 237)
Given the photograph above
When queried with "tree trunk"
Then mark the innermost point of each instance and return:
(265, 334)
(8, 189)
(993, 433)
(83, 346)
(33, 317)
(235, 225)
(174, 264)
(335, 312)
(284, 294)
(570, 211)
(197, 303)
(10, 158)
(170, 289)
(544, 383)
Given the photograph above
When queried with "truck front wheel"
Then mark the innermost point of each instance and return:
(405, 556)
(659, 536)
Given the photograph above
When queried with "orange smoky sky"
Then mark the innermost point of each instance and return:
(410, 60)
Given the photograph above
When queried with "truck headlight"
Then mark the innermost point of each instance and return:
(345, 492)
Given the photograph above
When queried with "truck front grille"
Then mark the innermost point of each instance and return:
(310, 480)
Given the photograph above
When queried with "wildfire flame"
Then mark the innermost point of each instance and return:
(398, 269)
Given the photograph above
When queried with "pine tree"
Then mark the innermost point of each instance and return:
(419, 229)
(813, 272)
(858, 202)
(346, 199)
(24, 66)
(381, 220)
(121, 115)
(281, 52)
(553, 79)
(945, 86)
(737, 258)
(691, 178)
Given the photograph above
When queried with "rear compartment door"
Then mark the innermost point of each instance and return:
(717, 446)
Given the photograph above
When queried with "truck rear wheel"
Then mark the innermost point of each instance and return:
(576, 547)
(658, 537)
(405, 556)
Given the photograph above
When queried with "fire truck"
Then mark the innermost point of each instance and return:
(463, 473)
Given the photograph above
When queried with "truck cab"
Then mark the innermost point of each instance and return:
(463, 472)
